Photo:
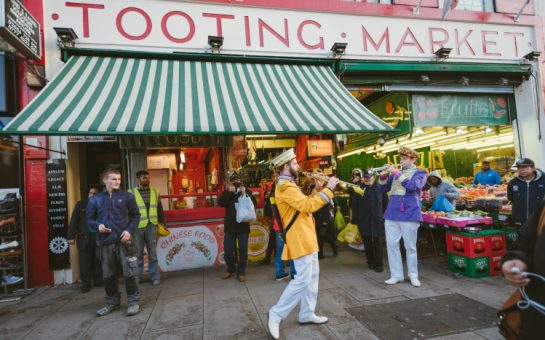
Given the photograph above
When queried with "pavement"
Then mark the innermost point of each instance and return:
(198, 304)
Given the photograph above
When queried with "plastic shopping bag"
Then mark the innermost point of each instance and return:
(339, 222)
(350, 234)
(245, 209)
(442, 204)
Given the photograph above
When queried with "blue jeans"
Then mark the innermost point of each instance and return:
(229, 248)
(278, 263)
(147, 235)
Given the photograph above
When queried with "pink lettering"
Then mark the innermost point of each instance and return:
(219, 18)
(385, 38)
(247, 30)
(319, 45)
(436, 44)
(119, 23)
(463, 41)
(283, 39)
(411, 42)
(169, 36)
(515, 45)
(488, 42)
(85, 14)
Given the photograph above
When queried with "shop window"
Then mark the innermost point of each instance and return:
(425, 3)
(514, 6)
(470, 5)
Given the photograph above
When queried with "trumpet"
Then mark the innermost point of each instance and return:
(380, 168)
(344, 185)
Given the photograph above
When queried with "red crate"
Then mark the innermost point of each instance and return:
(495, 265)
(469, 245)
(497, 244)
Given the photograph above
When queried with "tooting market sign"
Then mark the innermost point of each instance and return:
(19, 29)
(184, 27)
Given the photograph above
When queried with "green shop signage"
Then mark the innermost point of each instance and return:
(457, 110)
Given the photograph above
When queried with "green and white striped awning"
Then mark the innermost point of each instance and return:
(103, 95)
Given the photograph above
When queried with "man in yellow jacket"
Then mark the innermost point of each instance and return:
(301, 243)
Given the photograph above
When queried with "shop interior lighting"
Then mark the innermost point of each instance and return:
(460, 130)
(182, 157)
(215, 42)
(424, 78)
(532, 56)
(497, 147)
(338, 49)
(442, 53)
(260, 136)
(418, 131)
(66, 37)
(488, 129)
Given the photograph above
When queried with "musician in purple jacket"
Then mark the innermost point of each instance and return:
(403, 215)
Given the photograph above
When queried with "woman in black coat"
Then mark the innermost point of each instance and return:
(367, 214)
(528, 255)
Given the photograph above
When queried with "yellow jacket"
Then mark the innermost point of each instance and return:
(301, 238)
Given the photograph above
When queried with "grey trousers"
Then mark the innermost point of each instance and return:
(114, 259)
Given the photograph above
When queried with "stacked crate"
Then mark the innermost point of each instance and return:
(475, 255)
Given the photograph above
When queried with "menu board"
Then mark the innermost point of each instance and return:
(19, 28)
(57, 214)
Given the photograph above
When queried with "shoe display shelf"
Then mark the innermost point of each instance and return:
(13, 283)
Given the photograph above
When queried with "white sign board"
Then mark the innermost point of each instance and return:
(169, 26)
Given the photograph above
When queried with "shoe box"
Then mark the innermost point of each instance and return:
(485, 243)
(471, 267)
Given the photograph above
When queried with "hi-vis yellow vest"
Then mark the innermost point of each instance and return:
(144, 218)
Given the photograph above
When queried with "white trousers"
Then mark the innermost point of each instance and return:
(395, 230)
(303, 288)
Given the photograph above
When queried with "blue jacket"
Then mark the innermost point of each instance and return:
(118, 212)
(526, 197)
(489, 177)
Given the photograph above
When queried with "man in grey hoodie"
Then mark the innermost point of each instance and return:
(440, 187)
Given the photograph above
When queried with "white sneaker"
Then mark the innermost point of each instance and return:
(415, 282)
(274, 326)
(394, 280)
(315, 319)
(7, 245)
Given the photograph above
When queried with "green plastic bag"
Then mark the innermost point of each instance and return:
(339, 220)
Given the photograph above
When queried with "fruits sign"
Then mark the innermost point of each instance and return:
(456, 110)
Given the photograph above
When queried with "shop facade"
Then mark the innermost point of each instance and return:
(270, 58)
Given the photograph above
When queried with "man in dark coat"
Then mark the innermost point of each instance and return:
(89, 263)
(528, 255)
(367, 213)
(526, 190)
(235, 231)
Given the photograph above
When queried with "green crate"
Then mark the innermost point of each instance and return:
(511, 235)
(470, 267)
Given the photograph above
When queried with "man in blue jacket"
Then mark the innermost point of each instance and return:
(115, 215)
(487, 176)
(526, 191)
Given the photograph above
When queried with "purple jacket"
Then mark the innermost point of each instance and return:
(404, 207)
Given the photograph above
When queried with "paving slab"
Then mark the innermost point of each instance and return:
(232, 320)
(176, 312)
(184, 333)
(351, 330)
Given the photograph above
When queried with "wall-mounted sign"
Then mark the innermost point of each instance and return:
(169, 26)
(92, 139)
(175, 141)
(19, 29)
(320, 147)
(57, 214)
(461, 110)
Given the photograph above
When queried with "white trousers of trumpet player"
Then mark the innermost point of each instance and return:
(395, 230)
(303, 288)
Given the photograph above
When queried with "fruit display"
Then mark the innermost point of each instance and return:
(436, 213)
